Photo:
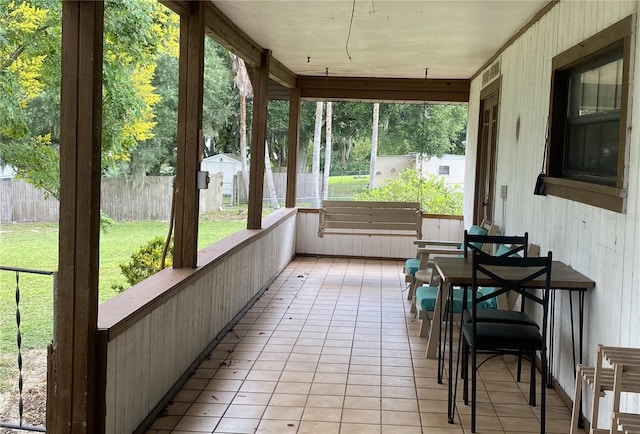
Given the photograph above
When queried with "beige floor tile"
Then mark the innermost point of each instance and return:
(399, 404)
(322, 414)
(291, 387)
(530, 424)
(398, 429)
(197, 423)
(263, 375)
(288, 399)
(341, 368)
(211, 410)
(363, 379)
(165, 422)
(215, 397)
(258, 386)
(278, 426)
(330, 377)
(250, 398)
(224, 385)
(300, 366)
(363, 390)
(359, 428)
(514, 410)
(350, 415)
(398, 392)
(400, 418)
(315, 427)
(283, 413)
(177, 408)
(297, 377)
(327, 389)
(237, 425)
(245, 411)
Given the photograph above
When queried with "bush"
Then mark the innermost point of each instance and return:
(145, 261)
(434, 195)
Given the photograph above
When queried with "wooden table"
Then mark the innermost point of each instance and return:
(456, 271)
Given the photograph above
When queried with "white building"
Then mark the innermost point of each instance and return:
(228, 164)
(451, 167)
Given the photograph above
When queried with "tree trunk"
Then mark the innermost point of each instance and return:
(315, 166)
(374, 145)
(243, 144)
(327, 154)
(273, 197)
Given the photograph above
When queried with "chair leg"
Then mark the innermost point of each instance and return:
(577, 401)
(465, 372)
(532, 385)
(424, 323)
(474, 374)
(543, 390)
(519, 374)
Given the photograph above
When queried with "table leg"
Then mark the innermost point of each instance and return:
(436, 322)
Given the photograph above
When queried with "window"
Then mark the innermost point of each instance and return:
(588, 119)
(443, 170)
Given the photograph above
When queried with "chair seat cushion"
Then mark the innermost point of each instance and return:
(497, 336)
(503, 250)
(411, 266)
(500, 316)
(426, 297)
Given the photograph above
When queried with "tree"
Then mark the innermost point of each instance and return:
(374, 144)
(316, 156)
(434, 195)
(327, 152)
(135, 33)
(428, 129)
(242, 82)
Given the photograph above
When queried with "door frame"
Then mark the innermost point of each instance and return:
(486, 168)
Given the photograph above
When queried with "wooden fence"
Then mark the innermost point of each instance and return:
(122, 199)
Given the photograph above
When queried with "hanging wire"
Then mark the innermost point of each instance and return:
(346, 45)
(421, 154)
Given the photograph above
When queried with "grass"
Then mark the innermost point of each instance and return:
(35, 246)
(344, 187)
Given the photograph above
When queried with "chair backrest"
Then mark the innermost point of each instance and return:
(516, 274)
(506, 245)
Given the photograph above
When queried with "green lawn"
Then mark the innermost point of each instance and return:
(35, 246)
(344, 187)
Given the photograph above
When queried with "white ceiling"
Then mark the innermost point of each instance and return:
(389, 38)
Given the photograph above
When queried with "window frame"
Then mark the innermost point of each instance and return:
(588, 52)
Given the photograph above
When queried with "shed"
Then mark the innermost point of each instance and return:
(451, 167)
(228, 164)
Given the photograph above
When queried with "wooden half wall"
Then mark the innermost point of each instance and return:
(156, 333)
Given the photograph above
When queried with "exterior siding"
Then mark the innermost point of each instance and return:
(599, 243)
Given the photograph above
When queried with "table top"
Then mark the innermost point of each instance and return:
(457, 271)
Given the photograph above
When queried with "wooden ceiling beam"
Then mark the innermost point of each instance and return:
(384, 89)
(180, 7)
(222, 30)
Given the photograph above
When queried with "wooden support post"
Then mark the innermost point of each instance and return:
(71, 408)
(294, 134)
(258, 137)
(187, 196)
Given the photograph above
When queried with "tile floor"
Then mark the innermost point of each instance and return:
(332, 348)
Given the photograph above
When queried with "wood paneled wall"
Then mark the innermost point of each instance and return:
(599, 243)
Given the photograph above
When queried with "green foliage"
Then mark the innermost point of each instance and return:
(146, 261)
(428, 129)
(434, 195)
